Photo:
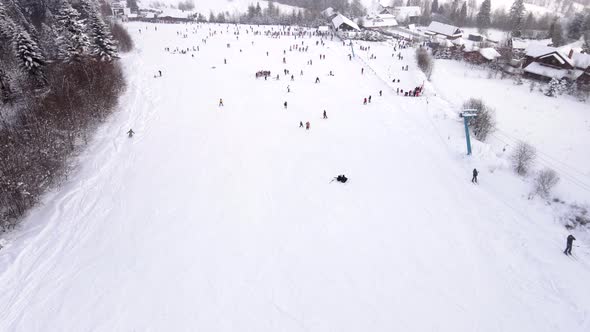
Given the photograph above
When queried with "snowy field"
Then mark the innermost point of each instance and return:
(224, 218)
(558, 127)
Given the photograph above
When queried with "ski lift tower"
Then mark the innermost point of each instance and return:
(466, 115)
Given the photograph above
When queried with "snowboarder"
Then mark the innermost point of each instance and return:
(307, 125)
(474, 178)
(325, 115)
(568, 248)
(130, 133)
(285, 104)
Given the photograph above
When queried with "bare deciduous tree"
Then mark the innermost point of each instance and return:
(425, 62)
(545, 181)
(485, 122)
(523, 158)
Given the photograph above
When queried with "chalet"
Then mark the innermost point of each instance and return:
(582, 66)
(545, 63)
(445, 30)
(379, 21)
(341, 22)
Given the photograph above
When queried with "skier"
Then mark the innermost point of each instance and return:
(292, 78)
(285, 104)
(380, 93)
(365, 101)
(317, 80)
(288, 88)
(300, 124)
(130, 133)
(568, 248)
(160, 72)
(307, 125)
(362, 71)
(340, 178)
(325, 115)
(225, 61)
(369, 99)
(474, 178)
(220, 102)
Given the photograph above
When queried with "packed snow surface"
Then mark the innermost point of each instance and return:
(225, 218)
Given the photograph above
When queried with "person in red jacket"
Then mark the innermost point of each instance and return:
(307, 125)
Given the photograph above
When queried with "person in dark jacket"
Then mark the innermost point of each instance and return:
(325, 115)
(568, 248)
(474, 178)
(130, 132)
(285, 104)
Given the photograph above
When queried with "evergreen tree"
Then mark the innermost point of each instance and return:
(132, 4)
(462, 17)
(426, 14)
(357, 9)
(211, 17)
(517, 12)
(102, 45)
(557, 34)
(73, 42)
(530, 22)
(6, 26)
(258, 9)
(484, 15)
(434, 7)
(29, 54)
(576, 26)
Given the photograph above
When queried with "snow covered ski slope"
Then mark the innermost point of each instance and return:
(224, 218)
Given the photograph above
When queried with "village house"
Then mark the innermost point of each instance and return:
(341, 22)
(544, 63)
(445, 30)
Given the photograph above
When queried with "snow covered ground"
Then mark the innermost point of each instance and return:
(224, 218)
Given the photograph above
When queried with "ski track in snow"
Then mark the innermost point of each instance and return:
(222, 219)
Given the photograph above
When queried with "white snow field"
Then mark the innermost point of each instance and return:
(224, 218)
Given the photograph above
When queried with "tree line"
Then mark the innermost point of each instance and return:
(59, 78)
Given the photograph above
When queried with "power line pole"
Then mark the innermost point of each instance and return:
(467, 114)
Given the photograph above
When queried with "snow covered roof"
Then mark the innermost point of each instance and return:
(519, 44)
(536, 51)
(340, 19)
(489, 53)
(380, 20)
(328, 12)
(403, 13)
(323, 28)
(581, 60)
(551, 72)
(444, 29)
